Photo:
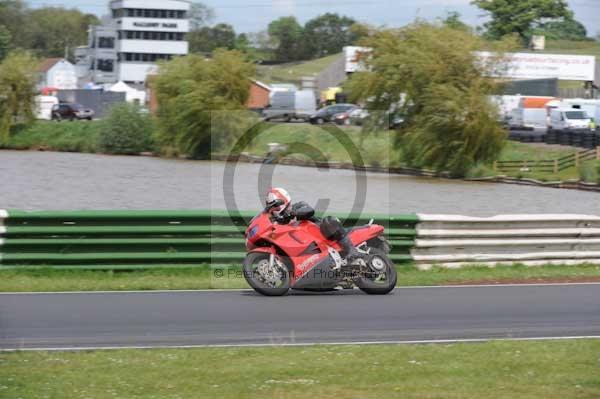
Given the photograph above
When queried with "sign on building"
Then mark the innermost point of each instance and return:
(545, 66)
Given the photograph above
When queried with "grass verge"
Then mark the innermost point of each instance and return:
(76, 136)
(544, 369)
(375, 149)
(205, 277)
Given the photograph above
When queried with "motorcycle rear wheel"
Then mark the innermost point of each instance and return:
(262, 278)
(370, 281)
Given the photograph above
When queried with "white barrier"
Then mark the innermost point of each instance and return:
(3, 215)
(454, 241)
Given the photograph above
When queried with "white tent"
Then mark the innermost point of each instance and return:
(131, 95)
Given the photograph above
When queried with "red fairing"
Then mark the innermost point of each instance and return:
(300, 243)
(362, 234)
(268, 250)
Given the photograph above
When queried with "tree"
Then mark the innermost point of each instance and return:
(207, 39)
(126, 130)
(200, 15)
(430, 74)
(17, 89)
(453, 21)
(5, 42)
(192, 92)
(288, 34)
(327, 34)
(52, 30)
(520, 16)
(567, 29)
(242, 43)
(13, 17)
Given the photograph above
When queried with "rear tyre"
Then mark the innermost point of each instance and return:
(266, 279)
(380, 276)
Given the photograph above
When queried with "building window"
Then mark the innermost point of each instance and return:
(144, 57)
(149, 13)
(106, 42)
(147, 35)
(106, 65)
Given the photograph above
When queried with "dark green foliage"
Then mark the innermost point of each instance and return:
(328, 33)
(5, 42)
(323, 35)
(287, 32)
(12, 16)
(207, 39)
(520, 16)
(568, 29)
(126, 130)
(47, 31)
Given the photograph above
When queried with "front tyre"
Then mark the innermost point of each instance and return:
(380, 276)
(266, 278)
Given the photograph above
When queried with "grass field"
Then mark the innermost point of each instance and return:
(378, 149)
(573, 47)
(294, 71)
(493, 370)
(48, 280)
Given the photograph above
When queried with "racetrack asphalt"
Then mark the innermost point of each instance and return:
(242, 317)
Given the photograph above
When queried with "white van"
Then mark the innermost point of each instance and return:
(288, 105)
(569, 119)
(592, 107)
(43, 107)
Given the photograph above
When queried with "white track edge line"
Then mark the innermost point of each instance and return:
(249, 289)
(300, 344)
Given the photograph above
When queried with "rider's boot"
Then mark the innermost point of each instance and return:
(350, 251)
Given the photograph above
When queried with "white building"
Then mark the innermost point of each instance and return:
(57, 73)
(137, 34)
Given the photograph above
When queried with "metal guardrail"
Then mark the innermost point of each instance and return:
(147, 239)
(454, 241)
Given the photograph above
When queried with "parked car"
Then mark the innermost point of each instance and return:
(342, 118)
(328, 113)
(68, 111)
(357, 116)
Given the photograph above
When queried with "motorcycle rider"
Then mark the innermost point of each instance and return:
(330, 226)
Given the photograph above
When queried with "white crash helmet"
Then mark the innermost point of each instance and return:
(275, 194)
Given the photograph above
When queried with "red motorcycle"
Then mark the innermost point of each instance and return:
(298, 256)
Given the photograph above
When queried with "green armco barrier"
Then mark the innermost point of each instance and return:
(147, 239)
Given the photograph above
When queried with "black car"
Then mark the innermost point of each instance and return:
(326, 114)
(70, 112)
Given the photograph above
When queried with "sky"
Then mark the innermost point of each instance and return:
(254, 15)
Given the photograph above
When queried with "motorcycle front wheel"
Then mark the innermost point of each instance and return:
(380, 276)
(266, 278)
